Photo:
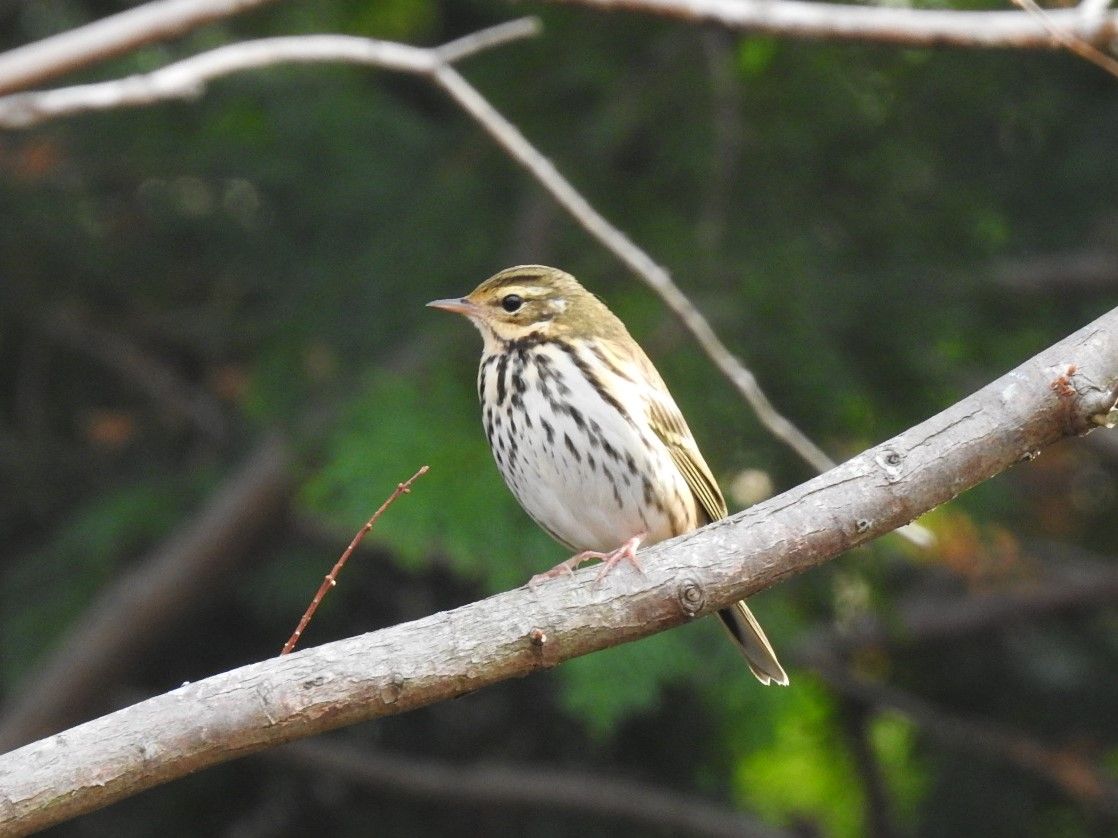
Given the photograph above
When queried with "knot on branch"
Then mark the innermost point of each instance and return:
(890, 462)
(691, 597)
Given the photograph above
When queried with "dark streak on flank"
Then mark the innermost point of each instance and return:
(502, 370)
(571, 447)
(613, 484)
(481, 374)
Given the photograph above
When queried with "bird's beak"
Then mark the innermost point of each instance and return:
(459, 306)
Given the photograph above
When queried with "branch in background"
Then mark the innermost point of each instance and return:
(134, 610)
(879, 23)
(187, 79)
(1072, 774)
(503, 786)
(139, 369)
(1089, 271)
(111, 36)
(929, 620)
(1069, 40)
(1086, 585)
(1068, 389)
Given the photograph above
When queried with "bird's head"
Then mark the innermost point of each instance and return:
(533, 300)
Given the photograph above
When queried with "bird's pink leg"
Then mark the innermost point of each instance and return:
(626, 552)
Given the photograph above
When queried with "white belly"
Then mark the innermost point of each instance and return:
(587, 473)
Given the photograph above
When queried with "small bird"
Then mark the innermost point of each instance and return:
(586, 434)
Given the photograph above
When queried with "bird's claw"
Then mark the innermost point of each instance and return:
(627, 552)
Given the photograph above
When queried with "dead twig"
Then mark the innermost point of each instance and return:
(331, 579)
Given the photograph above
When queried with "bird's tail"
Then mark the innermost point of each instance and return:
(750, 638)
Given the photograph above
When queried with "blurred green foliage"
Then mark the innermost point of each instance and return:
(839, 212)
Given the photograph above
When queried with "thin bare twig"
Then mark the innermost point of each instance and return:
(509, 137)
(331, 578)
(880, 23)
(113, 35)
(1069, 39)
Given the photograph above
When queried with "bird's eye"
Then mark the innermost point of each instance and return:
(511, 302)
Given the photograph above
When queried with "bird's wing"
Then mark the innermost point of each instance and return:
(669, 425)
(666, 421)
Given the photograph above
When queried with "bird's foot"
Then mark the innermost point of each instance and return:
(626, 552)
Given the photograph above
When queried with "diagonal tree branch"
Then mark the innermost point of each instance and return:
(881, 23)
(110, 36)
(1066, 390)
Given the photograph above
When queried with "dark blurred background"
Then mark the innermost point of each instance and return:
(212, 328)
